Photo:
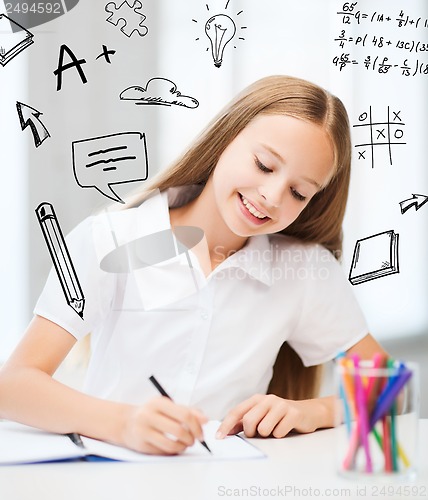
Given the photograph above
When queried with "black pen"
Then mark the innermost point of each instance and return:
(77, 440)
(164, 393)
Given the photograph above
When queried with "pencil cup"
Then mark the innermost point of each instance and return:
(377, 418)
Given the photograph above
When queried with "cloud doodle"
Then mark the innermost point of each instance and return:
(158, 91)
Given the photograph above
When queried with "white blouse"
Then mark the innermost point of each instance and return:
(210, 341)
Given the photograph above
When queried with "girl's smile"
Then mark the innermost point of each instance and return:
(251, 211)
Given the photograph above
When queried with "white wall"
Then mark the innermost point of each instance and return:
(282, 36)
(14, 248)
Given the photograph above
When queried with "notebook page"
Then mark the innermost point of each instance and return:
(20, 444)
(229, 448)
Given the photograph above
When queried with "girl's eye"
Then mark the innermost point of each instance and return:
(297, 195)
(262, 167)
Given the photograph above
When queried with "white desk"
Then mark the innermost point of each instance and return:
(299, 466)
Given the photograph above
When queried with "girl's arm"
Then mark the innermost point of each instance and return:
(29, 394)
(270, 415)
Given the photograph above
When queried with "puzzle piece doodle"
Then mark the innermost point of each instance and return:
(131, 16)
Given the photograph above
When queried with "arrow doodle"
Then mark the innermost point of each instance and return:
(29, 116)
(416, 201)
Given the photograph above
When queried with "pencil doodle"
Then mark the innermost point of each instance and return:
(131, 16)
(382, 133)
(374, 256)
(158, 91)
(29, 117)
(417, 201)
(31, 14)
(61, 257)
(101, 162)
(14, 38)
(220, 30)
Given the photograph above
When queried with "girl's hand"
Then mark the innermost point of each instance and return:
(270, 415)
(162, 427)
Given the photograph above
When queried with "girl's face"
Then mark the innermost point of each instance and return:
(269, 172)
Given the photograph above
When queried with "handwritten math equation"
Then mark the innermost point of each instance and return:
(383, 53)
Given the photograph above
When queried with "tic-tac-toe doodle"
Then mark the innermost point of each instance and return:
(131, 16)
(384, 133)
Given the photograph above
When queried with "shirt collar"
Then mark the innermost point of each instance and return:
(255, 258)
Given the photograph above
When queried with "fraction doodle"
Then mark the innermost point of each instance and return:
(383, 42)
(384, 134)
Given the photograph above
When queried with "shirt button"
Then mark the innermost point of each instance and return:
(204, 315)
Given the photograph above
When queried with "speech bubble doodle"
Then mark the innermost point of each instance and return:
(101, 162)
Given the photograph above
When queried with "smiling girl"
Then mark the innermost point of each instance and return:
(267, 183)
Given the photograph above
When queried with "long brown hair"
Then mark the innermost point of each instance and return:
(320, 221)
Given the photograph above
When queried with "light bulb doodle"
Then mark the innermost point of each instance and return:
(220, 29)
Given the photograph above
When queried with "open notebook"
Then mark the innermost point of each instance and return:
(20, 444)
